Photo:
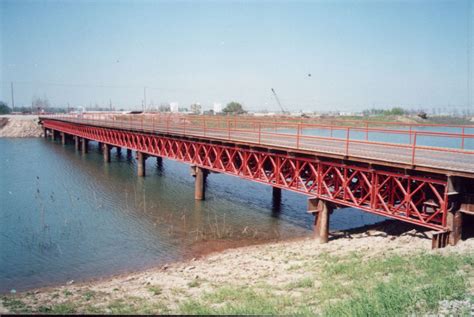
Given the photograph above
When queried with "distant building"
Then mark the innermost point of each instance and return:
(217, 107)
(174, 107)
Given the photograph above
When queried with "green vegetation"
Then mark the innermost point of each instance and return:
(155, 289)
(451, 120)
(194, 283)
(15, 305)
(234, 108)
(60, 309)
(235, 301)
(395, 111)
(394, 286)
(132, 305)
(89, 295)
(67, 293)
(4, 109)
(302, 283)
(351, 286)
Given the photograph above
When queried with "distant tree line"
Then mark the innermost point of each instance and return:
(395, 111)
(196, 108)
(4, 108)
(234, 108)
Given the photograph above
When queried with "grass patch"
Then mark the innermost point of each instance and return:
(393, 286)
(194, 283)
(243, 301)
(15, 305)
(60, 309)
(67, 293)
(305, 282)
(88, 295)
(136, 305)
(351, 286)
(155, 289)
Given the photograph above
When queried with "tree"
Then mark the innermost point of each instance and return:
(4, 109)
(397, 111)
(195, 108)
(164, 107)
(39, 103)
(233, 108)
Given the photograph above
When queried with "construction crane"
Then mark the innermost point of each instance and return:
(278, 101)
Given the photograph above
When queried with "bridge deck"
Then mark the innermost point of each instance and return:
(413, 155)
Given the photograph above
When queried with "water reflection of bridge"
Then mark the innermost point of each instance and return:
(431, 186)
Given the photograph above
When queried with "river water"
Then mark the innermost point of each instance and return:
(65, 216)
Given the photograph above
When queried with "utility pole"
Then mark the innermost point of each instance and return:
(13, 97)
(469, 57)
(144, 98)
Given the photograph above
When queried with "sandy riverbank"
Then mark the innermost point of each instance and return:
(291, 277)
(20, 126)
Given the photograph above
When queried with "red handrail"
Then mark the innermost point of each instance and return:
(294, 137)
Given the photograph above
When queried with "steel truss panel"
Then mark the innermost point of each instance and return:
(414, 199)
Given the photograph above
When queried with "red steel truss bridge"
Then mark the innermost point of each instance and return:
(420, 174)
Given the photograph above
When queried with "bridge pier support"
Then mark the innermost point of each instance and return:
(458, 193)
(454, 221)
(119, 151)
(53, 134)
(77, 145)
(276, 198)
(63, 138)
(45, 133)
(321, 211)
(159, 163)
(129, 152)
(100, 145)
(84, 145)
(106, 152)
(200, 175)
(141, 167)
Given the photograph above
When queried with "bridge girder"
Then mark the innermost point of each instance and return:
(411, 198)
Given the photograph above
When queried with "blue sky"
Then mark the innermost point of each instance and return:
(360, 54)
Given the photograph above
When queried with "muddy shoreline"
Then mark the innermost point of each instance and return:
(390, 230)
(272, 262)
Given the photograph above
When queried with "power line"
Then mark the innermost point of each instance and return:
(469, 57)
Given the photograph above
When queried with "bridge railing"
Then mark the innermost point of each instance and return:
(455, 128)
(428, 148)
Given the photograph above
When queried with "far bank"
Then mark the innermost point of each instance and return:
(20, 126)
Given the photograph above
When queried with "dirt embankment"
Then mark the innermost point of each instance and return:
(20, 127)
